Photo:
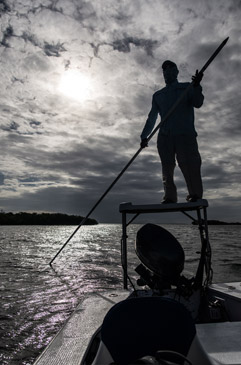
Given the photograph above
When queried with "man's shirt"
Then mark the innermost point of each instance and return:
(181, 121)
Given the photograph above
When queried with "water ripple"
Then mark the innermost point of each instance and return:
(36, 300)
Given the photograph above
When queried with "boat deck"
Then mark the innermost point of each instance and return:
(220, 340)
(69, 345)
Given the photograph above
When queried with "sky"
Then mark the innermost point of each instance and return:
(77, 79)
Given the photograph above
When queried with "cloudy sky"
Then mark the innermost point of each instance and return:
(77, 79)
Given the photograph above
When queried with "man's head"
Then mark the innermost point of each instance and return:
(170, 71)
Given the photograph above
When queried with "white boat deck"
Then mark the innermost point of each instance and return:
(70, 344)
(222, 341)
(231, 297)
(228, 290)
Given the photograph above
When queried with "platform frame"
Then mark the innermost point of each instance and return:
(200, 207)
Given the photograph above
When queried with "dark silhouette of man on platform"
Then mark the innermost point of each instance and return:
(177, 137)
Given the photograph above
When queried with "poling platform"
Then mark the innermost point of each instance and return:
(159, 208)
(200, 207)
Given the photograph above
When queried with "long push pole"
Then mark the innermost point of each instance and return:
(171, 110)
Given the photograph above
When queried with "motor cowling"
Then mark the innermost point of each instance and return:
(160, 252)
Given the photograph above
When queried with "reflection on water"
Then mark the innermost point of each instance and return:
(36, 300)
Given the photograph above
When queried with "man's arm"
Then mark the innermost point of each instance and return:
(197, 97)
(150, 123)
(196, 92)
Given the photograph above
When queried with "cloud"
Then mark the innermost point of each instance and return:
(7, 34)
(4, 7)
(61, 153)
(1, 179)
(124, 45)
(54, 49)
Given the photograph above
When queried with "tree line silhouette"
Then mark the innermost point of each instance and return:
(23, 218)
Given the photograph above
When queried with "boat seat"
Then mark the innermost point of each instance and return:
(139, 327)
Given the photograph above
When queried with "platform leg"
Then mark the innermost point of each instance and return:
(208, 263)
(200, 269)
(124, 250)
(205, 259)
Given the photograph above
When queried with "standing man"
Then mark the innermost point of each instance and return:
(177, 135)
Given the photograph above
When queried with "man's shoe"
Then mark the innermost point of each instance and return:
(168, 201)
(192, 198)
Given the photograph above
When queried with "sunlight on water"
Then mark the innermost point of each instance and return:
(36, 300)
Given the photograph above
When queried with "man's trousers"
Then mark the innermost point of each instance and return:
(184, 149)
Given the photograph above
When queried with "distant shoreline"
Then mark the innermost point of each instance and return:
(44, 219)
(213, 222)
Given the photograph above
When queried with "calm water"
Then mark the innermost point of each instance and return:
(36, 300)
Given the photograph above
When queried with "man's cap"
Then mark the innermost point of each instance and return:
(168, 63)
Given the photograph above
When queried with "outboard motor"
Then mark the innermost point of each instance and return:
(162, 257)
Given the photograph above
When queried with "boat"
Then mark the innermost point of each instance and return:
(163, 318)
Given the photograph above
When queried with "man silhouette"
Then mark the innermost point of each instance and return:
(177, 135)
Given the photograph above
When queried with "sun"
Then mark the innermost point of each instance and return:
(75, 85)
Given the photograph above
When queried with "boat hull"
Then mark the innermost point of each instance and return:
(220, 337)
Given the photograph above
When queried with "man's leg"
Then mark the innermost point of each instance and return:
(167, 155)
(189, 161)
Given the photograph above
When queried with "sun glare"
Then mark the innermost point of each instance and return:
(75, 85)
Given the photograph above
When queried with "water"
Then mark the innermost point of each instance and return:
(36, 300)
